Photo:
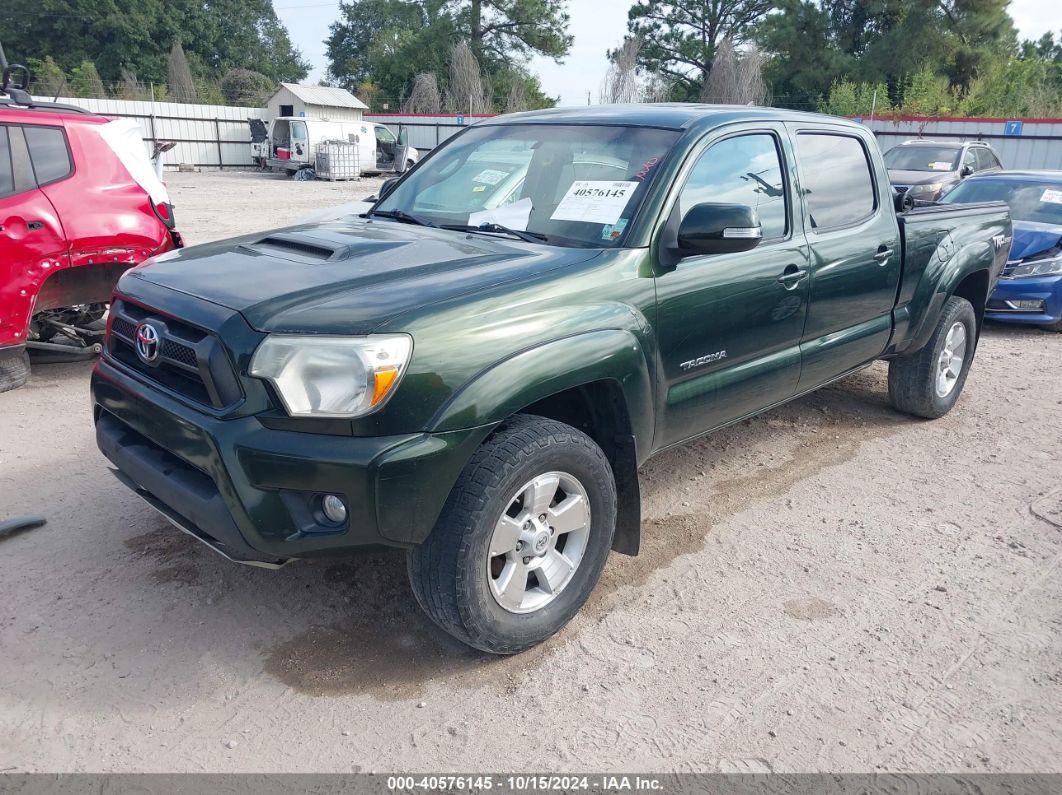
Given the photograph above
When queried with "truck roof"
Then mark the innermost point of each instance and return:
(669, 115)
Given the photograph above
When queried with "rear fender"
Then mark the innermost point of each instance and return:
(950, 265)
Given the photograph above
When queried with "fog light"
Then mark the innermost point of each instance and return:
(334, 509)
(1024, 303)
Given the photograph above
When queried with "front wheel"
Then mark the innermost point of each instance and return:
(522, 539)
(928, 382)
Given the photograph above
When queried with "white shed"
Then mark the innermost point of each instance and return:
(315, 102)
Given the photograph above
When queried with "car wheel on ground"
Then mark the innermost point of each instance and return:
(928, 382)
(522, 539)
(14, 368)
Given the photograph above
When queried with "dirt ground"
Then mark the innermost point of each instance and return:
(828, 587)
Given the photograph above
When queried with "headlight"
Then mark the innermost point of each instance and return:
(1048, 266)
(925, 190)
(332, 376)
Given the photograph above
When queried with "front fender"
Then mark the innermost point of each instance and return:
(537, 373)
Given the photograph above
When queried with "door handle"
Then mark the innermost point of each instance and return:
(33, 226)
(791, 276)
(883, 255)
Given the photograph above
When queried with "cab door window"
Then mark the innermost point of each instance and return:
(746, 169)
(969, 160)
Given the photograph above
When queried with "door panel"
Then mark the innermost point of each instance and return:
(855, 255)
(729, 325)
(32, 243)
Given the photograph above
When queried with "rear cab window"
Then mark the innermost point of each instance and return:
(49, 153)
(837, 179)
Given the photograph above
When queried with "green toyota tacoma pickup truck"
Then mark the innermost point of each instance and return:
(475, 367)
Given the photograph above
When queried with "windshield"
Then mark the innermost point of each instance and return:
(922, 158)
(1040, 202)
(574, 185)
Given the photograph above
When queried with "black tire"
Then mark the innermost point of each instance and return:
(14, 368)
(913, 378)
(449, 571)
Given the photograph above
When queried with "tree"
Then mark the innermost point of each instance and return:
(425, 96)
(736, 78)
(179, 76)
(680, 37)
(391, 42)
(857, 99)
(814, 43)
(117, 35)
(245, 87)
(507, 30)
(465, 91)
(85, 81)
(621, 82)
(48, 78)
(626, 82)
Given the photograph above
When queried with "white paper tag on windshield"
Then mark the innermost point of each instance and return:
(490, 176)
(514, 216)
(1052, 196)
(594, 201)
(940, 165)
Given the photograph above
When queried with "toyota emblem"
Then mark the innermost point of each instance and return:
(147, 343)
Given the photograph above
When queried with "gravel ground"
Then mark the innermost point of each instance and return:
(827, 587)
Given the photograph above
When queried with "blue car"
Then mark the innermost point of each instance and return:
(1030, 288)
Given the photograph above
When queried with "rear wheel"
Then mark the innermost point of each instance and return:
(14, 368)
(522, 539)
(928, 382)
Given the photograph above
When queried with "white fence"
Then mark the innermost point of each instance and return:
(212, 136)
(1028, 143)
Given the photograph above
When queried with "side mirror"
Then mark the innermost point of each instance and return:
(403, 137)
(711, 228)
(387, 186)
(966, 171)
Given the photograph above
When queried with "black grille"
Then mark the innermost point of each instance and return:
(179, 352)
(190, 361)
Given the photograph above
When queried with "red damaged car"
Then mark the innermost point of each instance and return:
(80, 203)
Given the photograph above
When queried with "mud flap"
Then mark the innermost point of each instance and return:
(628, 535)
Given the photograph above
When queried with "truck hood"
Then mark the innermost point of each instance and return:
(348, 276)
(1031, 238)
(920, 177)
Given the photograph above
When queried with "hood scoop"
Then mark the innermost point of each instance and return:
(310, 249)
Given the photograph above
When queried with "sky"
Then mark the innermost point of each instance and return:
(597, 25)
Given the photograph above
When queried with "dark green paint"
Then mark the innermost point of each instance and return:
(501, 324)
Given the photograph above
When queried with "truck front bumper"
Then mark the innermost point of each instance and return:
(1034, 301)
(253, 493)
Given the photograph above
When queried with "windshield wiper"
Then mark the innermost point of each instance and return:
(403, 216)
(529, 237)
